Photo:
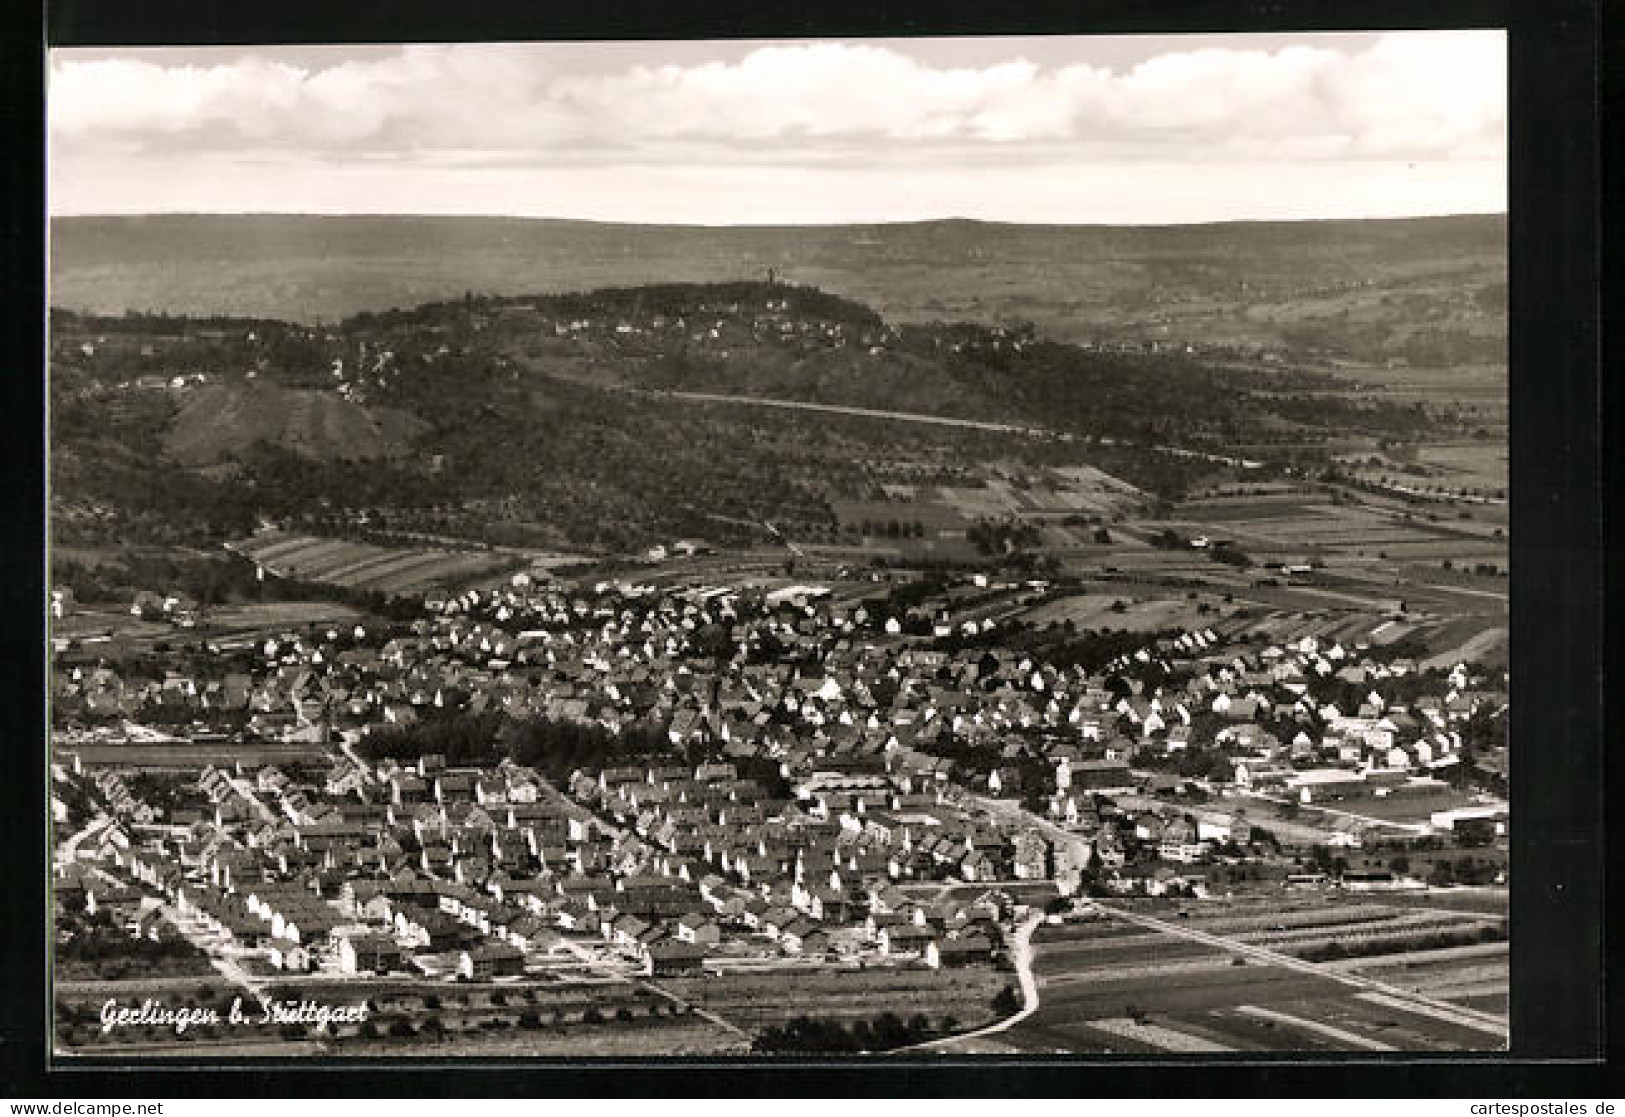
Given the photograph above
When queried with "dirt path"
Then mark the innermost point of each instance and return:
(703, 1013)
(1339, 1035)
(1021, 954)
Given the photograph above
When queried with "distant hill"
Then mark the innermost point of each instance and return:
(1430, 289)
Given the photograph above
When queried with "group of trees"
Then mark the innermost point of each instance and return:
(1003, 537)
(557, 748)
(1438, 940)
(805, 1035)
(1466, 869)
(97, 943)
(1201, 762)
(462, 738)
(553, 747)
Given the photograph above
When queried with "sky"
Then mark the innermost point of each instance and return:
(1063, 129)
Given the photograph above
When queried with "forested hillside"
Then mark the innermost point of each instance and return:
(545, 420)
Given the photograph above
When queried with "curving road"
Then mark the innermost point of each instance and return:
(1021, 954)
(68, 851)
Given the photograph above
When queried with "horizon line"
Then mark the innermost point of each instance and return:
(942, 220)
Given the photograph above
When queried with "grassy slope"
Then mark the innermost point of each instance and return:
(219, 420)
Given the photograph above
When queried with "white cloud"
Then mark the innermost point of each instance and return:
(1407, 97)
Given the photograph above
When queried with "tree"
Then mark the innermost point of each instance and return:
(1006, 1002)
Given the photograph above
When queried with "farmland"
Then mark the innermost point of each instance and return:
(1276, 614)
(1473, 976)
(231, 624)
(1320, 561)
(1100, 610)
(1296, 530)
(1108, 986)
(753, 1001)
(365, 566)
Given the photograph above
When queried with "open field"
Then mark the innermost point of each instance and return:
(1474, 976)
(1401, 809)
(755, 1001)
(1483, 387)
(222, 625)
(1305, 529)
(665, 1037)
(1106, 986)
(1471, 464)
(278, 615)
(366, 566)
(1136, 615)
(100, 624)
(1286, 613)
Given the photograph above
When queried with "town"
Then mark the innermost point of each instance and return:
(561, 806)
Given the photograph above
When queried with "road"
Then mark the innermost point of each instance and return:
(939, 420)
(688, 1006)
(616, 972)
(1021, 954)
(68, 851)
(348, 749)
(862, 412)
(1424, 1005)
(1077, 848)
(193, 932)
